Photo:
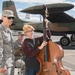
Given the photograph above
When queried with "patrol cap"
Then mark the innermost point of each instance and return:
(20, 33)
(7, 13)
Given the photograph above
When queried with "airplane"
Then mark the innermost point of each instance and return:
(59, 25)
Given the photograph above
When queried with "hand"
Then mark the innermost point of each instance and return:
(44, 43)
(3, 70)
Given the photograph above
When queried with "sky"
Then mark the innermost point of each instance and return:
(22, 4)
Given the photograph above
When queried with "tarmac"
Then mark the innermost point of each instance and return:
(68, 60)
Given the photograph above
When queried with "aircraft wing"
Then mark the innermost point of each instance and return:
(57, 7)
(60, 17)
(56, 12)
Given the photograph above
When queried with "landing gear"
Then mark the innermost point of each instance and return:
(72, 37)
(64, 41)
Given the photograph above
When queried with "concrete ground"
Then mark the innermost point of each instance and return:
(69, 60)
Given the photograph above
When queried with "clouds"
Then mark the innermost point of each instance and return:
(44, 1)
(40, 1)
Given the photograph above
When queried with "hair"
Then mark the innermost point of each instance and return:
(26, 27)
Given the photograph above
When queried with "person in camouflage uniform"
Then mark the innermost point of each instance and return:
(17, 46)
(19, 55)
(6, 43)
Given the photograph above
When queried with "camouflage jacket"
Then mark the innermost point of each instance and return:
(6, 47)
(18, 48)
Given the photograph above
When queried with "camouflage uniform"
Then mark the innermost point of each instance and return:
(19, 56)
(17, 49)
(6, 49)
(17, 46)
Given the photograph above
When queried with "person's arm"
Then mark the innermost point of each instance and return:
(28, 51)
(17, 48)
(2, 66)
(48, 32)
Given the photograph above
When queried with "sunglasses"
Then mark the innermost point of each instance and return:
(10, 18)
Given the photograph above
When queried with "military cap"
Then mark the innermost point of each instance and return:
(7, 13)
(20, 33)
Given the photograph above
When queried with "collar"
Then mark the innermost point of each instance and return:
(6, 29)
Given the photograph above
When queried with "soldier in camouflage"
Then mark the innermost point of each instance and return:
(6, 44)
(17, 46)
